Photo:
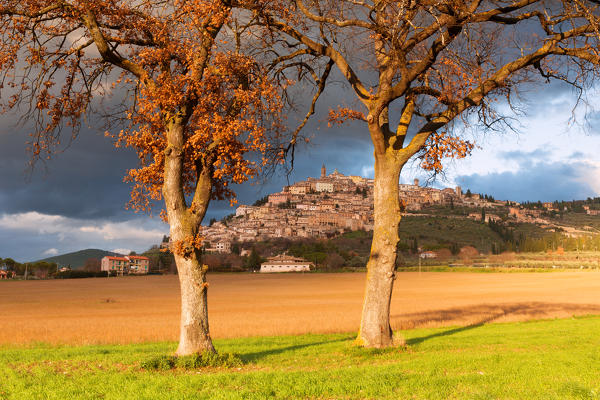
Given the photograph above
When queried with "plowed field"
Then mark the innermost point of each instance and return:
(140, 309)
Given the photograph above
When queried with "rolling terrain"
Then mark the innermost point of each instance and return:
(77, 259)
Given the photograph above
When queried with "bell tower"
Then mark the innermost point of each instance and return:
(323, 171)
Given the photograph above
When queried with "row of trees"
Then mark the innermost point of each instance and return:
(568, 206)
(552, 242)
(527, 244)
(204, 83)
(39, 269)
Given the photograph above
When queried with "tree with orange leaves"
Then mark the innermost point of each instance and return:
(199, 110)
(418, 70)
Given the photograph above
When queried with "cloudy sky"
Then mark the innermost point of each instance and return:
(77, 200)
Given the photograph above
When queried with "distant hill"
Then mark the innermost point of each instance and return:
(77, 259)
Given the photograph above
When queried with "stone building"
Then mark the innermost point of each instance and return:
(285, 263)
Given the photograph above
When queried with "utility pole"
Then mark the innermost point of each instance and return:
(26, 270)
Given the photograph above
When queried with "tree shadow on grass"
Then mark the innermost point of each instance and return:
(449, 332)
(251, 357)
(479, 315)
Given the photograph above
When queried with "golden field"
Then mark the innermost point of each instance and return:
(141, 309)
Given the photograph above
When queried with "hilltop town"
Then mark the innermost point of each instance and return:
(335, 203)
(323, 207)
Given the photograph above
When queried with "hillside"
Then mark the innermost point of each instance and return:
(77, 259)
(442, 228)
(324, 207)
(530, 227)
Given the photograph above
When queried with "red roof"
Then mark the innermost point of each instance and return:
(139, 257)
(116, 258)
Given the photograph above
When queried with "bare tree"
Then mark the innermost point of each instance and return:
(334, 261)
(92, 265)
(420, 70)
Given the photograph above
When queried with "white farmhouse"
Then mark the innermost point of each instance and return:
(285, 263)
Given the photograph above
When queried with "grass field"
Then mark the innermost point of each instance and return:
(552, 359)
(146, 309)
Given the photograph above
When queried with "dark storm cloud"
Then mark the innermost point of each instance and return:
(532, 182)
(21, 245)
(84, 181)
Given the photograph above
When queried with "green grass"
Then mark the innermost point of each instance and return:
(553, 359)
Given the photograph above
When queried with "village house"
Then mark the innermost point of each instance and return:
(488, 217)
(300, 188)
(285, 263)
(279, 198)
(428, 254)
(515, 212)
(118, 265)
(5, 274)
(137, 265)
(243, 210)
(324, 187)
(222, 246)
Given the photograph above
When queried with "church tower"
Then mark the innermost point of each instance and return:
(323, 171)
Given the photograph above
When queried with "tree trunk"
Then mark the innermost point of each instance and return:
(194, 335)
(184, 226)
(375, 330)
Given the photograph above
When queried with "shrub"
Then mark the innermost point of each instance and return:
(76, 274)
(227, 360)
(443, 254)
(160, 363)
(334, 261)
(357, 261)
(468, 252)
(194, 361)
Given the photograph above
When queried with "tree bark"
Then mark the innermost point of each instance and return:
(375, 330)
(194, 335)
(184, 226)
